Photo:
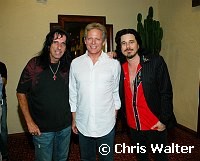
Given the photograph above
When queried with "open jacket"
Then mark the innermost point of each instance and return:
(157, 89)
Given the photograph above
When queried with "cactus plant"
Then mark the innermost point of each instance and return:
(151, 32)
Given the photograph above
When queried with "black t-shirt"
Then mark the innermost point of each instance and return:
(48, 98)
(3, 72)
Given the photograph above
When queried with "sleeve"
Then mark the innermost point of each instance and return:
(117, 72)
(72, 89)
(27, 75)
(3, 70)
(165, 88)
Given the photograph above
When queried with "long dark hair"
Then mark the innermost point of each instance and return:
(122, 32)
(44, 57)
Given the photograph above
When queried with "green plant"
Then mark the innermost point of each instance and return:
(151, 32)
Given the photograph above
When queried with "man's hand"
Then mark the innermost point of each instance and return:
(159, 126)
(116, 112)
(112, 54)
(33, 129)
(74, 128)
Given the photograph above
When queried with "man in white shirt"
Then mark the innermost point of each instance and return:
(94, 96)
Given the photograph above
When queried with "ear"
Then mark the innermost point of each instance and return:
(104, 42)
(84, 40)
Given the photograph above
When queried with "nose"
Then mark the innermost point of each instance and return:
(127, 44)
(59, 45)
(93, 41)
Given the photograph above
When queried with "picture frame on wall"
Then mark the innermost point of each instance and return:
(75, 25)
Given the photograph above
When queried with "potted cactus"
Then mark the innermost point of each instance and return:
(151, 32)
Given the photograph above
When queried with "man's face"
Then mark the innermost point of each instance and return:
(94, 41)
(57, 48)
(129, 46)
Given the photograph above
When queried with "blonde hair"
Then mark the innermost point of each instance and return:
(97, 26)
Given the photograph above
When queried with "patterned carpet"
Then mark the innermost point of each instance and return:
(21, 148)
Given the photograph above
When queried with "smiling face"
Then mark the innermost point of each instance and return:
(129, 46)
(57, 48)
(94, 41)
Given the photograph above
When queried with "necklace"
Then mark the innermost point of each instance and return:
(133, 82)
(54, 73)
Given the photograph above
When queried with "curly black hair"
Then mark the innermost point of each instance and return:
(122, 32)
(44, 57)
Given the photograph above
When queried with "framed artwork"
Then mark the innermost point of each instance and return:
(195, 3)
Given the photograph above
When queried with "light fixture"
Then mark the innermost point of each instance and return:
(41, 1)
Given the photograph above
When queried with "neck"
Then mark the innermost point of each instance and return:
(134, 61)
(54, 61)
(94, 56)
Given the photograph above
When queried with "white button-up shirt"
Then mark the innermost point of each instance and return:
(94, 94)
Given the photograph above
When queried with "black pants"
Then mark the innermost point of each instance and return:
(147, 139)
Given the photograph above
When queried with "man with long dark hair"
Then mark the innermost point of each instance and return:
(146, 94)
(43, 96)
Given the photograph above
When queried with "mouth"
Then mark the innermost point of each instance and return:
(93, 47)
(128, 50)
(58, 52)
(130, 55)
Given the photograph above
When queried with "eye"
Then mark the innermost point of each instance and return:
(98, 39)
(55, 42)
(123, 43)
(89, 39)
(63, 44)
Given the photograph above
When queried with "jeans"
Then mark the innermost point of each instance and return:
(4, 131)
(52, 145)
(145, 138)
(89, 145)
